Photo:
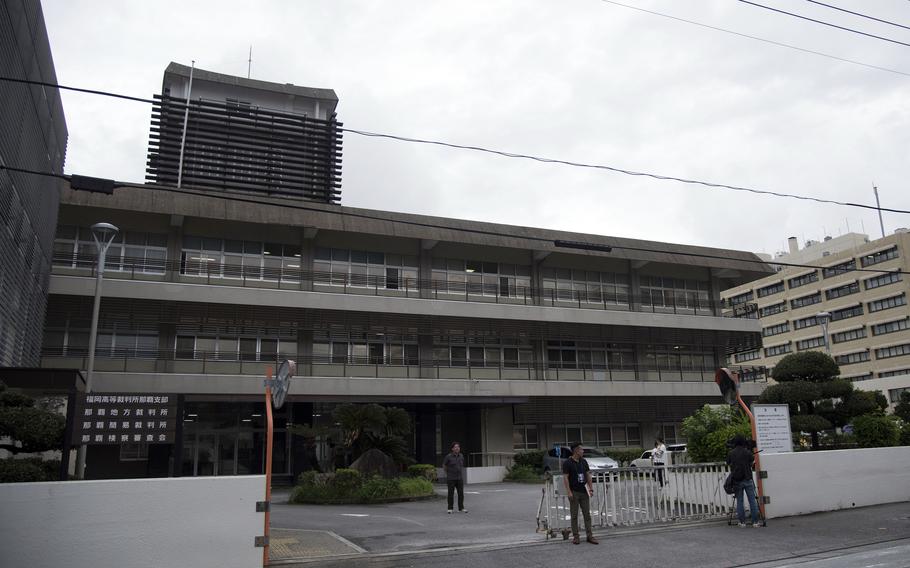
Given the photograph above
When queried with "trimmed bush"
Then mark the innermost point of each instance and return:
(875, 431)
(905, 434)
(424, 470)
(345, 481)
(28, 469)
(414, 487)
(523, 473)
(349, 486)
(377, 489)
(531, 458)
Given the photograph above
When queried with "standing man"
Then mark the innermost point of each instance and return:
(657, 459)
(741, 459)
(453, 464)
(579, 488)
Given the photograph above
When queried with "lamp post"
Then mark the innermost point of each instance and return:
(823, 318)
(103, 234)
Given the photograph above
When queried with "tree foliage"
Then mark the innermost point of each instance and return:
(368, 426)
(30, 427)
(708, 430)
(876, 431)
(818, 400)
(902, 409)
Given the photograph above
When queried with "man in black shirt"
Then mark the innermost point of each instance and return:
(579, 488)
(741, 459)
(453, 464)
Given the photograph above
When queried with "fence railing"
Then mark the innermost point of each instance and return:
(233, 363)
(635, 496)
(682, 302)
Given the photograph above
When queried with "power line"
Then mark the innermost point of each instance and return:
(549, 160)
(617, 170)
(851, 30)
(597, 247)
(756, 38)
(858, 14)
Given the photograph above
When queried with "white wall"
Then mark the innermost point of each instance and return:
(196, 522)
(490, 474)
(808, 482)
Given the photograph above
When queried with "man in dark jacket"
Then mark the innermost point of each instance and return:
(741, 459)
(453, 464)
(579, 489)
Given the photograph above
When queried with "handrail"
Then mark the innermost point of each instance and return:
(220, 273)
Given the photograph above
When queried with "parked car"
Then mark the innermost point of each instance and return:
(676, 453)
(597, 460)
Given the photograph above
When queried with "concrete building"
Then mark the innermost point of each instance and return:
(32, 137)
(856, 300)
(504, 338)
(818, 250)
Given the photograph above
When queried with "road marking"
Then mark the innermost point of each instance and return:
(354, 515)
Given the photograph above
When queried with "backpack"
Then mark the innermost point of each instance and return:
(728, 484)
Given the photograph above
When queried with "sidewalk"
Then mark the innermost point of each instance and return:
(499, 531)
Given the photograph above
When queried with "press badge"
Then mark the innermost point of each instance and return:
(581, 478)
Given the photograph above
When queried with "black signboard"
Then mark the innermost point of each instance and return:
(121, 418)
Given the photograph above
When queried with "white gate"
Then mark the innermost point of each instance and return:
(633, 496)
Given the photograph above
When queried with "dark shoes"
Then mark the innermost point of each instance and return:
(593, 540)
(576, 541)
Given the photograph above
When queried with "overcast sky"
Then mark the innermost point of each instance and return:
(581, 80)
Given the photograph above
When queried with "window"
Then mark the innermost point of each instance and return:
(894, 395)
(740, 298)
(806, 300)
(855, 378)
(777, 350)
(365, 269)
(459, 276)
(130, 251)
(670, 433)
(775, 329)
(676, 293)
(805, 322)
(850, 358)
(882, 280)
(366, 349)
(810, 343)
(678, 358)
(228, 347)
(845, 290)
(893, 351)
(888, 303)
(880, 256)
(585, 286)
(891, 326)
(482, 351)
(894, 373)
(775, 288)
(597, 435)
(589, 355)
(841, 268)
(849, 335)
(846, 313)
(115, 340)
(773, 309)
(524, 437)
(231, 258)
(134, 452)
(802, 280)
(747, 356)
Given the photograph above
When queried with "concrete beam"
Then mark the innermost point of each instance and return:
(310, 232)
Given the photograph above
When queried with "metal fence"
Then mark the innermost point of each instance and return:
(634, 496)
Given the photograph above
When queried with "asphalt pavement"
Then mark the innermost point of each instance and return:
(499, 531)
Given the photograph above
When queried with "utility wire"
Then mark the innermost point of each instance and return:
(756, 38)
(437, 227)
(529, 157)
(858, 14)
(851, 30)
(618, 170)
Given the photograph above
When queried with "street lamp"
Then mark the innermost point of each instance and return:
(103, 234)
(823, 318)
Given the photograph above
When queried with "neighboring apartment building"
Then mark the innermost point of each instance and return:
(863, 291)
(32, 137)
(817, 250)
(504, 338)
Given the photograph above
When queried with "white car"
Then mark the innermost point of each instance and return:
(676, 453)
(597, 460)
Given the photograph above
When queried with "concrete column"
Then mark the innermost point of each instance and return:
(540, 359)
(634, 288)
(714, 293)
(425, 431)
(425, 267)
(167, 341)
(305, 353)
(174, 248)
(425, 352)
(307, 255)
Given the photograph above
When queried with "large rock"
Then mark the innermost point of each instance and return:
(375, 462)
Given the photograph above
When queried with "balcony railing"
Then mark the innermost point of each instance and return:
(169, 361)
(223, 274)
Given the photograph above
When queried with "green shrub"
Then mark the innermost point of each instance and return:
(531, 458)
(28, 469)
(423, 470)
(875, 431)
(522, 473)
(377, 489)
(308, 478)
(414, 487)
(345, 481)
(905, 434)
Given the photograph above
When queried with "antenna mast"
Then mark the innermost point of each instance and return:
(879, 207)
(249, 62)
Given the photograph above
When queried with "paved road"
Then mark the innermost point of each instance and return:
(499, 533)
